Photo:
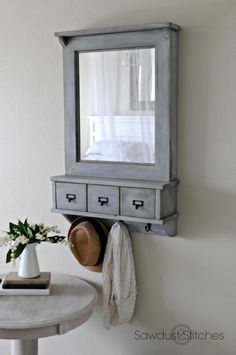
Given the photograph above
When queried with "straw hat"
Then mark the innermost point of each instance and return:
(88, 238)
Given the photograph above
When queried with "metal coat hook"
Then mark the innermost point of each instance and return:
(148, 227)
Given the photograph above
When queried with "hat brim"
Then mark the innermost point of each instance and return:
(102, 232)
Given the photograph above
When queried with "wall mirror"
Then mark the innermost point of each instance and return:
(117, 105)
(120, 102)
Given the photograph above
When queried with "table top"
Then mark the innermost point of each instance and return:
(69, 304)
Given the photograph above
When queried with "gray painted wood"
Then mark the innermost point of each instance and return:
(117, 217)
(25, 318)
(103, 199)
(71, 196)
(168, 226)
(160, 185)
(70, 300)
(54, 200)
(137, 202)
(168, 202)
(165, 129)
(174, 105)
(117, 29)
(159, 200)
(160, 178)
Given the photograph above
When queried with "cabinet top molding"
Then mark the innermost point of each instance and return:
(117, 29)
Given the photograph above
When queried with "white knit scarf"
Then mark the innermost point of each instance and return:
(119, 282)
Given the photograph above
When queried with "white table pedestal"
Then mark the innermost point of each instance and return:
(24, 347)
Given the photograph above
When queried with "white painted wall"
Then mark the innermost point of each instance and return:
(188, 279)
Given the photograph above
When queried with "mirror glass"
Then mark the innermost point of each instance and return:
(117, 105)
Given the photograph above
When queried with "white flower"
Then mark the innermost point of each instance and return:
(39, 237)
(48, 229)
(19, 240)
(5, 240)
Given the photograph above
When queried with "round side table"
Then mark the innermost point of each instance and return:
(25, 319)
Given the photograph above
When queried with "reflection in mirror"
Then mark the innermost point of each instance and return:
(117, 100)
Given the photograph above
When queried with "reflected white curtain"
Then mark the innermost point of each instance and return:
(146, 75)
(104, 90)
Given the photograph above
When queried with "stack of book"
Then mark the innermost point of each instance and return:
(14, 285)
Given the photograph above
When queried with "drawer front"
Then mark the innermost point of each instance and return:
(103, 199)
(138, 202)
(71, 196)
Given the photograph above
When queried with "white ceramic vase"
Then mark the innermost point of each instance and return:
(29, 266)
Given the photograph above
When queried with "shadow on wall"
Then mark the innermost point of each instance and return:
(205, 207)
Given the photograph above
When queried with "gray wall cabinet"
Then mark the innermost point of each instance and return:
(142, 194)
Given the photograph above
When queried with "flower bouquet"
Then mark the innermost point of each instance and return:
(23, 233)
(22, 238)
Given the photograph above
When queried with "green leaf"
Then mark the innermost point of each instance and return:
(8, 257)
(17, 252)
(30, 232)
(22, 228)
(56, 239)
(13, 228)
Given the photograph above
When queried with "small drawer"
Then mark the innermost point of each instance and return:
(71, 196)
(103, 199)
(138, 202)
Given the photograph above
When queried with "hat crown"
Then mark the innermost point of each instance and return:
(86, 237)
(85, 240)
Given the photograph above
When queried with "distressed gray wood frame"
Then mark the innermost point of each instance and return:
(165, 203)
(65, 35)
(164, 38)
(159, 177)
